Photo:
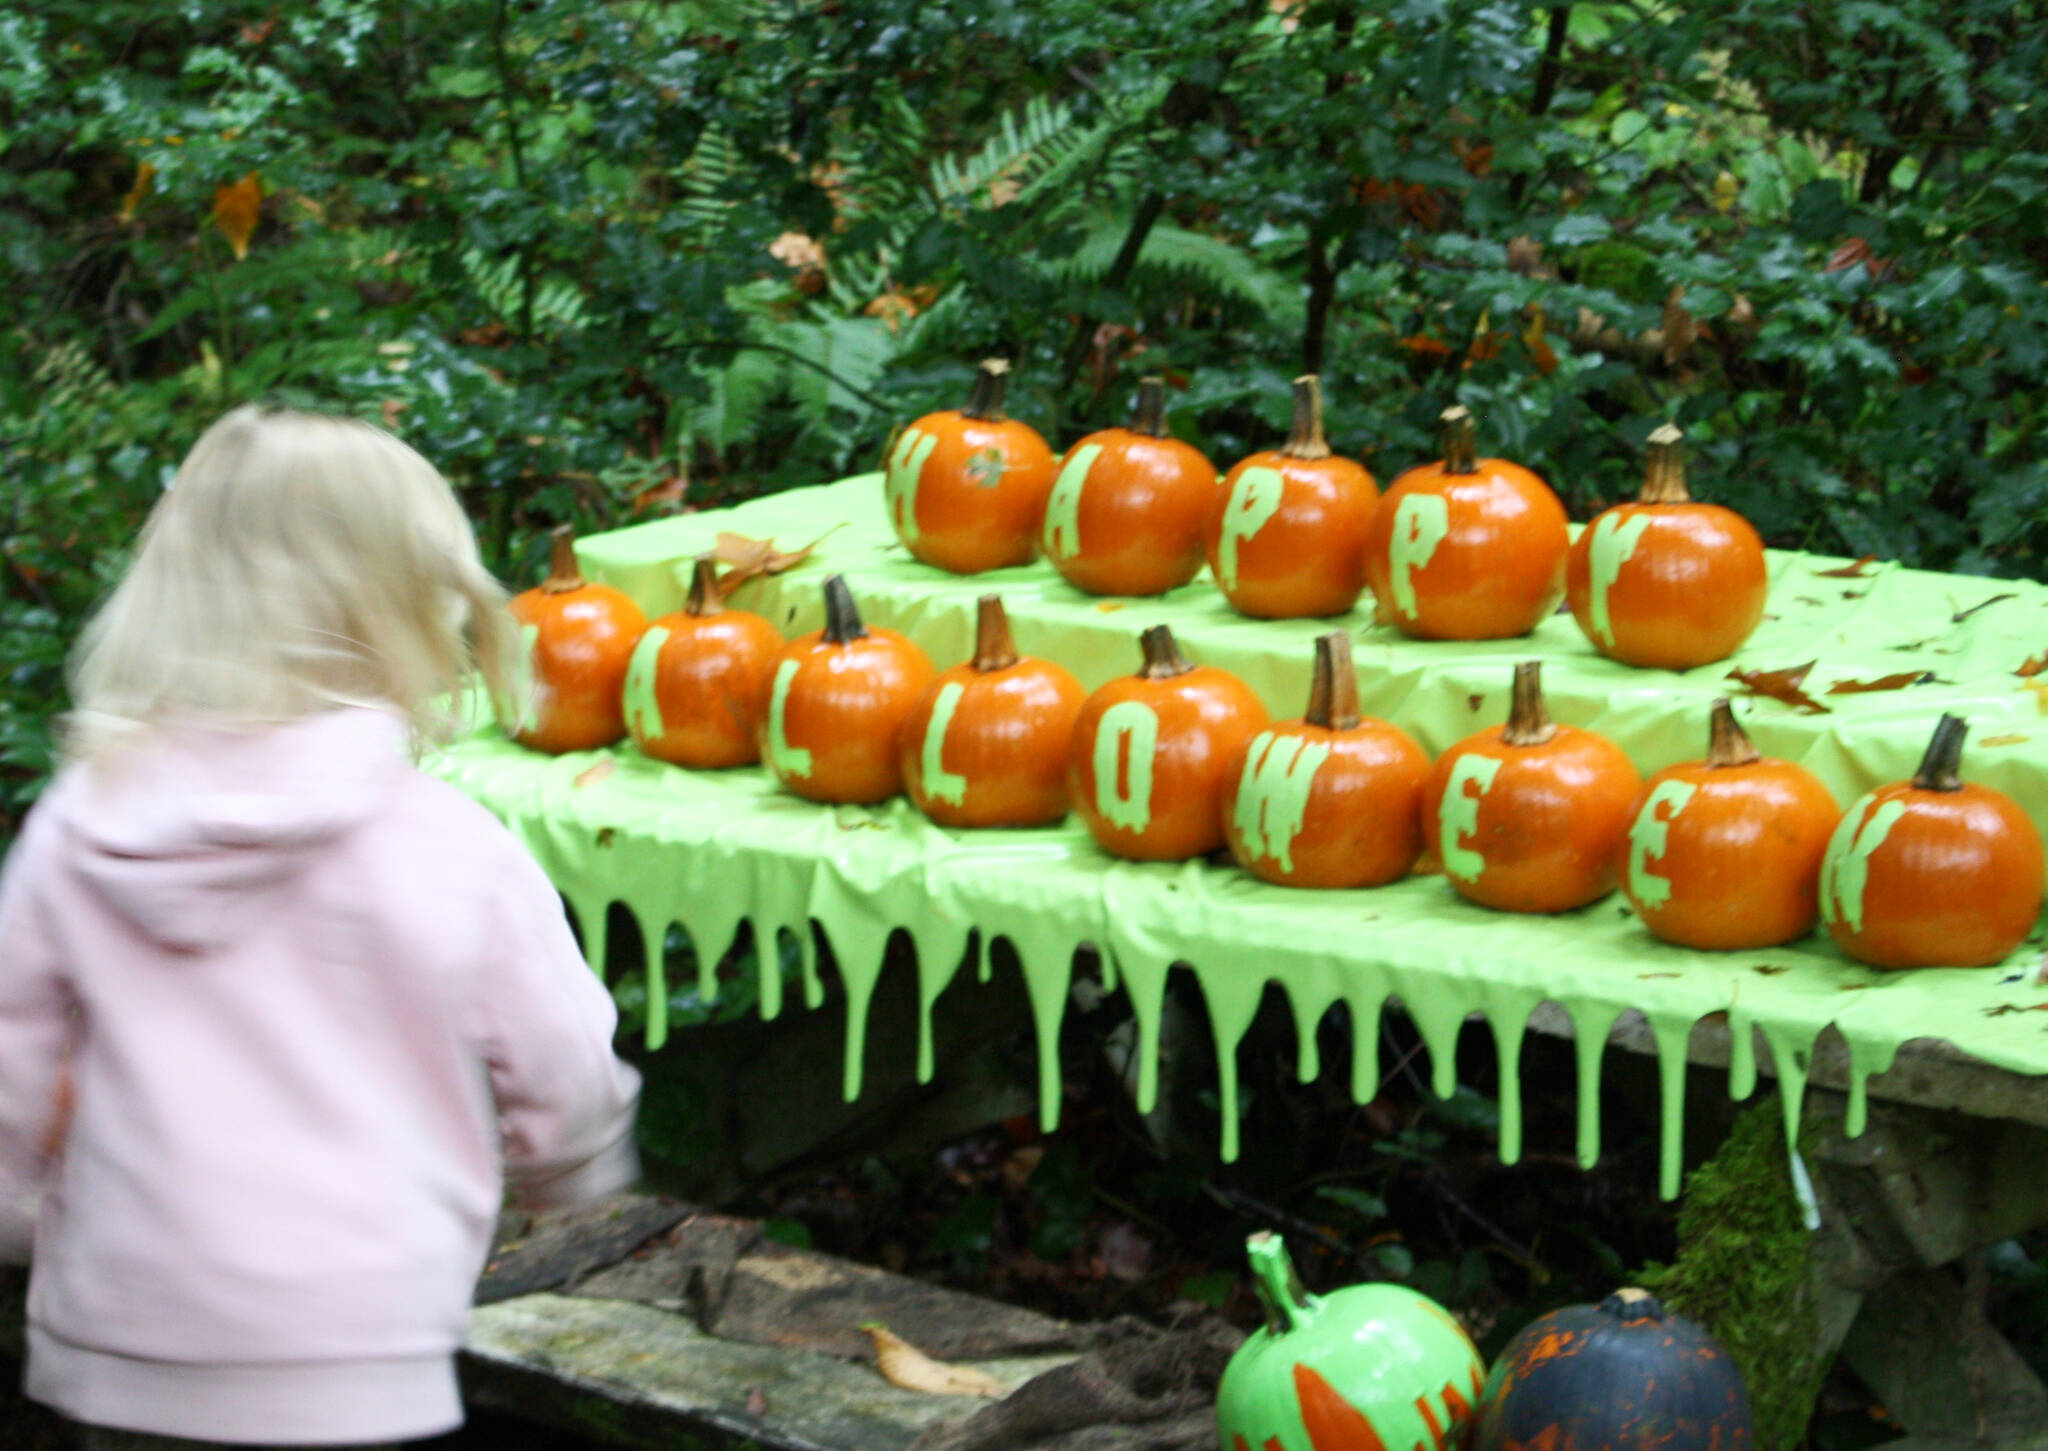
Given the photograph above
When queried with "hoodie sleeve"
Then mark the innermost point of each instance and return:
(565, 1101)
(35, 1028)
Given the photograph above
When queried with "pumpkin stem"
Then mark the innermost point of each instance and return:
(563, 575)
(1305, 438)
(1529, 722)
(1941, 768)
(1456, 438)
(842, 617)
(1633, 1304)
(1728, 744)
(994, 649)
(1664, 468)
(1287, 1303)
(1163, 659)
(985, 403)
(1333, 694)
(706, 598)
(1150, 416)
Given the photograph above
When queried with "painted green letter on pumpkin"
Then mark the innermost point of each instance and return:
(1458, 814)
(939, 783)
(789, 760)
(1130, 731)
(1845, 870)
(899, 485)
(643, 707)
(1614, 540)
(1421, 523)
(1647, 839)
(1062, 536)
(1272, 793)
(1254, 499)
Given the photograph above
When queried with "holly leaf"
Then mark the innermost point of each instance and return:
(1889, 682)
(1859, 570)
(903, 1364)
(236, 209)
(1781, 685)
(747, 558)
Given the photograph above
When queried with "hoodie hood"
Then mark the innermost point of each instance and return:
(188, 838)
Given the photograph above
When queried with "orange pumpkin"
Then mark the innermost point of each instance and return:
(1932, 872)
(1725, 852)
(836, 703)
(966, 488)
(1153, 752)
(1531, 816)
(1289, 539)
(986, 744)
(1128, 511)
(1665, 581)
(1467, 548)
(577, 640)
(1333, 799)
(699, 680)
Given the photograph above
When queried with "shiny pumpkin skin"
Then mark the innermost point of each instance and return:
(1585, 1379)
(1306, 557)
(832, 735)
(580, 644)
(1001, 756)
(1952, 879)
(1498, 568)
(1360, 818)
(1728, 857)
(968, 494)
(1201, 721)
(1128, 513)
(698, 686)
(1546, 835)
(1690, 591)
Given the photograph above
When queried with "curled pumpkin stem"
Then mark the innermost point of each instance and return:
(1333, 694)
(842, 617)
(1305, 438)
(706, 598)
(1163, 659)
(994, 647)
(985, 403)
(1529, 722)
(1941, 768)
(1150, 416)
(563, 573)
(1664, 468)
(1728, 744)
(1458, 440)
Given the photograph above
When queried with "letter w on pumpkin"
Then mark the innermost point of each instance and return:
(1273, 792)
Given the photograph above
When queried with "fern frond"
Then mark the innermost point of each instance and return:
(557, 303)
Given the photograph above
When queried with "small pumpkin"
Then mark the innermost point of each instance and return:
(836, 704)
(698, 681)
(1932, 872)
(1667, 581)
(1531, 816)
(1725, 852)
(966, 488)
(1152, 753)
(1366, 1368)
(1130, 505)
(1289, 539)
(986, 744)
(1467, 548)
(576, 643)
(1333, 799)
(1623, 1373)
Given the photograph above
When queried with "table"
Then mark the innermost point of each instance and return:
(713, 850)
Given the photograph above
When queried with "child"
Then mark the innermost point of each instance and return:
(309, 997)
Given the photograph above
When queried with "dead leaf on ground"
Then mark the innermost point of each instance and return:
(904, 1365)
(747, 558)
(591, 775)
(1859, 570)
(1781, 685)
(1125, 1253)
(1889, 682)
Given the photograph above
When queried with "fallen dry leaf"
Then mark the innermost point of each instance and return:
(591, 775)
(904, 1365)
(1961, 614)
(236, 209)
(1770, 969)
(1859, 570)
(1889, 682)
(2040, 689)
(2010, 738)
(1110, 607)
(1781, 685)
(2006, 1008)
(2033, 667)
(749, 558)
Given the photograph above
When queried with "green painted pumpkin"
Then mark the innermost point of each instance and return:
(1620, 1375)
(1368, 1368)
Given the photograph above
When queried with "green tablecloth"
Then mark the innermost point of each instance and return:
(710, 850)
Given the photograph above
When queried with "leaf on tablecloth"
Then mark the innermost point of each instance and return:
(747, 558)
(2040, 689)
(2033, 666)
(1889, 682)
(591, 775)
(904, 1365)
(1781, 685)
(2005, 1008)
(1859, 570)
(1962, 614)
(2010, 738)
(1110, 606)
(1770, 969)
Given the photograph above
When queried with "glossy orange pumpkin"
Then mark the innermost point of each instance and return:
(966, 488)
(836, 704)
(1531, 816)
(698, 682)
(576, 642)
(1153, 752)
(1932, 872)
(986, 744)
(1333, 799)
(1289, 539)
(1725, 852)
(1467, 548)
(1666, 581)
(1130, 505)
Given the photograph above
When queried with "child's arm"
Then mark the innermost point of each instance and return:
(35, 1029)
(565, 1101)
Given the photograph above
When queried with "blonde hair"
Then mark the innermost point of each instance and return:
(297, 562)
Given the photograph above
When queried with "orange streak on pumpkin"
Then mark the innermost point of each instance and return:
(1436, 1430)
(1457, 1411)
(1333, 1423)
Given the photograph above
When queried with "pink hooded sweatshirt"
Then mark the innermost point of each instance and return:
(313, 999)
